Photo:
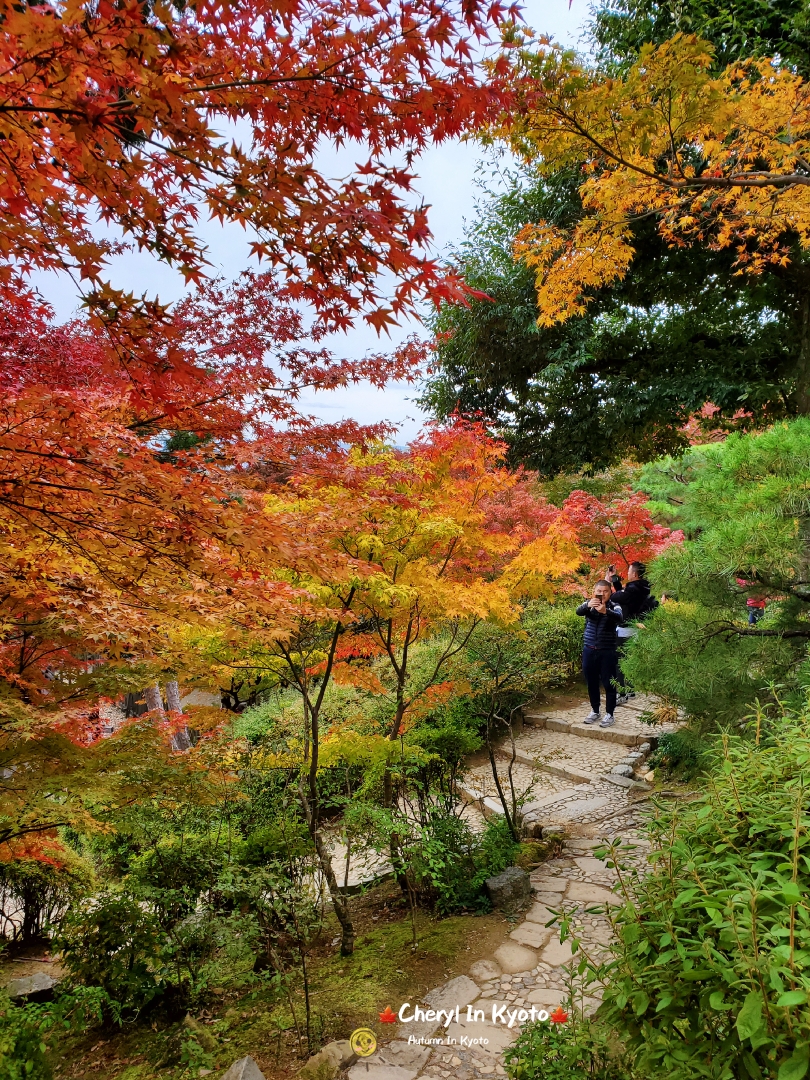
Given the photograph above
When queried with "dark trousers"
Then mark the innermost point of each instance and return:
(599, 666)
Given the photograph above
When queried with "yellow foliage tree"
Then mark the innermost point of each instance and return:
(721, 160)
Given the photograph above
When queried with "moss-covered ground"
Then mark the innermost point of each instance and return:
(345, 993)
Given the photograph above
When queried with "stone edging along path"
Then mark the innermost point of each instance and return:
(530, 969)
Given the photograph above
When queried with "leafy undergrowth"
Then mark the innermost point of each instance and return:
(345, 993)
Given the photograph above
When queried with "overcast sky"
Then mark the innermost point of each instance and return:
(446, 183)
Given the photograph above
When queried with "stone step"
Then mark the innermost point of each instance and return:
(626, 782)
(618, 733)
(531, 810)
(489, 805)
(567, 772)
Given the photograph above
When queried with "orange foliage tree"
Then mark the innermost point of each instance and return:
(614, 531)
(115, 533)
(416, 547)
(137, 443)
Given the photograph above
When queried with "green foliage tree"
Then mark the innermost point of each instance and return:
(683, 327)
(624, 379)
(745, 508)
(739, 29)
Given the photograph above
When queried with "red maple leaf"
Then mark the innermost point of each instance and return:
(559, 1016)
(388, 1017)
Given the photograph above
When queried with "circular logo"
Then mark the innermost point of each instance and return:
(363, 1041)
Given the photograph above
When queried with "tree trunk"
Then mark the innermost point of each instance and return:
(493, 763)
(181, 740)
(394, 840)
(173, 696)
(154, 700)
(325, 859)
(803, 363)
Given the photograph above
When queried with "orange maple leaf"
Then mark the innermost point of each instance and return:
(388, 1017)
(559, 1016)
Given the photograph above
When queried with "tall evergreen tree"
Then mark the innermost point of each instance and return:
(745, 508)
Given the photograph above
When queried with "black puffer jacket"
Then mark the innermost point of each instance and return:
(600, 630)
(634, 599)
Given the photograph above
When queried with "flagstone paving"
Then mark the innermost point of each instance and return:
(533, 967)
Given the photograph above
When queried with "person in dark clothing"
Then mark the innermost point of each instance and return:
(602, 618)
(635, 601)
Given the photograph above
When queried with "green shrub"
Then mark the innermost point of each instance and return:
(680, 753)
(115, 945)
(34, 894)
(568, 1051)
(450, 739)
(451, 862)
(274, 842)
(555, 633)
(25, 1030)
(711, 976)
(171, 874)
(22, 1047)
(496, 848)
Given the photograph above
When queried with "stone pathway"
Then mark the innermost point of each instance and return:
(570, 771)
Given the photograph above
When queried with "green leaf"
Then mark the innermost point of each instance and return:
(791, 893)
(663, 1002)
(754, 1071)
(775, 979)
(717, 1001)
(792, 997)
(796, 1065)
(749, 1018)
(640, 1003)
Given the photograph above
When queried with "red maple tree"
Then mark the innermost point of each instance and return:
(145, 117)
(618, 531)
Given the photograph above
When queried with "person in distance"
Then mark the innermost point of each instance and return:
(603, 616)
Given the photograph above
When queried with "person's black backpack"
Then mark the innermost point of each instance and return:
(649, 605)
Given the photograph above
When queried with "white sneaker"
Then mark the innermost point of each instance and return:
(607, 720)
(594, 716)
(623, 699)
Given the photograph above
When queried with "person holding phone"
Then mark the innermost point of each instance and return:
(603, 616)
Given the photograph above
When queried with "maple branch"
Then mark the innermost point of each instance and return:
(339, 629)
(448, 654)
(379, 45)
(55, 110)
(753, 179)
